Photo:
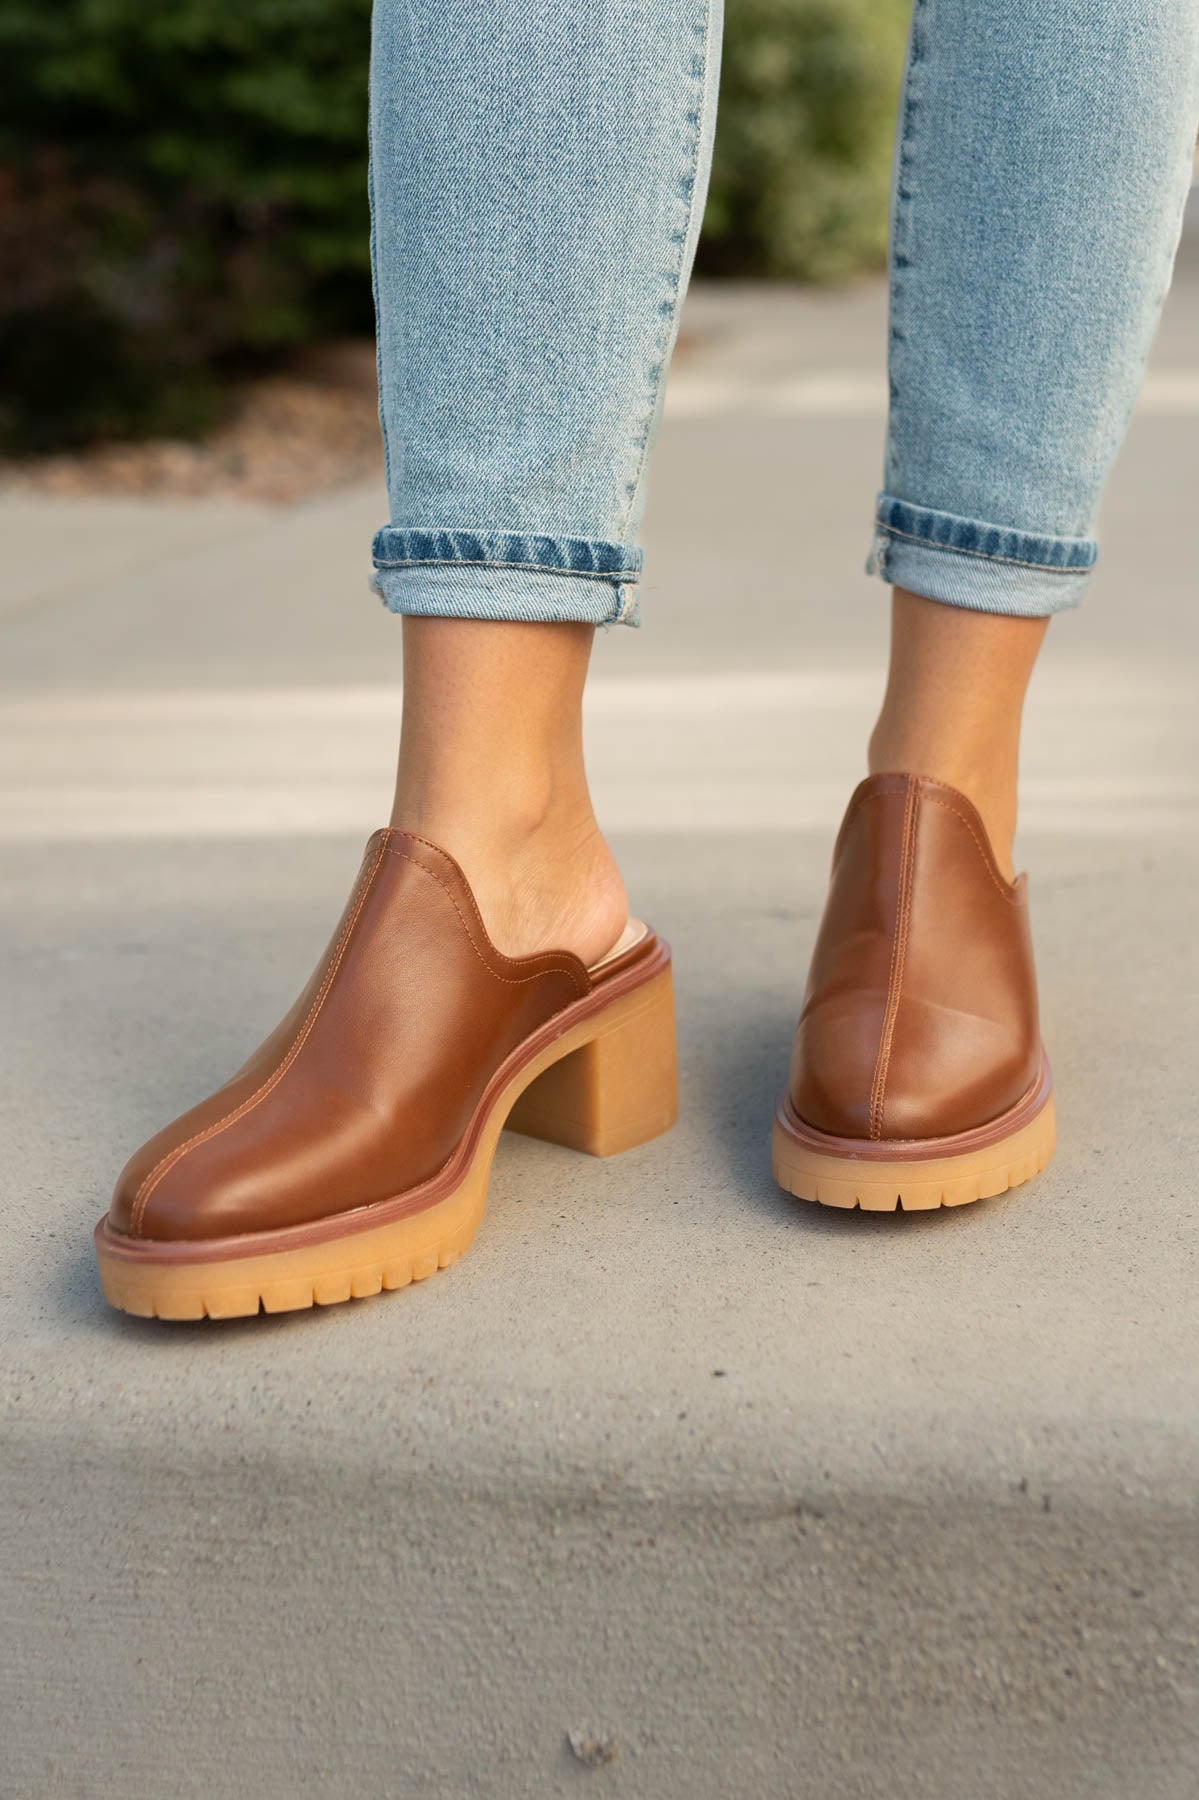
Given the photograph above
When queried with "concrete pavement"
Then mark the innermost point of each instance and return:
(673, 1487)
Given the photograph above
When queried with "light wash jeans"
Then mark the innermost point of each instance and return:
(537, 184)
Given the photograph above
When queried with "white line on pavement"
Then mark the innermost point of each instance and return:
(756, 751)
(862, 394)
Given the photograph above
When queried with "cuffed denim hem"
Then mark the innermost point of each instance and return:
(989, 568)
(506, 575)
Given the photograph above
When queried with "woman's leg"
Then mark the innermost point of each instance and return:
(538, 171)
(1042, 163)
(491, 767)
(1041, 168)
(538, 176)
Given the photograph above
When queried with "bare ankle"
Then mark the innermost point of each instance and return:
(491, 768)
(543, 879)
(560, 889)
(952, 709)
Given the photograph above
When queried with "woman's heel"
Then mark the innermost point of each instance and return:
(618, 1089)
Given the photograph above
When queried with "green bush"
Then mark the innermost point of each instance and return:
(802, 164)
(183, 188)
(180, 186)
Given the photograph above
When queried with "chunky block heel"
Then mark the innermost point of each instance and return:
(616, 1091)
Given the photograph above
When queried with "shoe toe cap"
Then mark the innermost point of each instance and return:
(176, 1187)
(833, 1064)
(936, 1076)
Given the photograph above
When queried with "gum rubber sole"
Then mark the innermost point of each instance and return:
(609, 1083)
(875, 1184)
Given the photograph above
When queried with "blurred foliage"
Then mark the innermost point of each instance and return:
(183, 188)
(802, 164)
(180, 187)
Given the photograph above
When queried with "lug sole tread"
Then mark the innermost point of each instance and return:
(858, 1185)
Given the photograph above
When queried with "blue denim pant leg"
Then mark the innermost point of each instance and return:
(1042, 162)
(538, 173)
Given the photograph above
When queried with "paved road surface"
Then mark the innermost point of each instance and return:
(777, 1502)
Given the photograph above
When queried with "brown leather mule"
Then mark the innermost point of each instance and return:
(918, 1076)
(352, 1152)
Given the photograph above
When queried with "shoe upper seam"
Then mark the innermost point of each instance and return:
(548, 959)
(907, 859)
(549, 963)
(1009, 890)
(896, 784)
(549, 966)
(168, 1162)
